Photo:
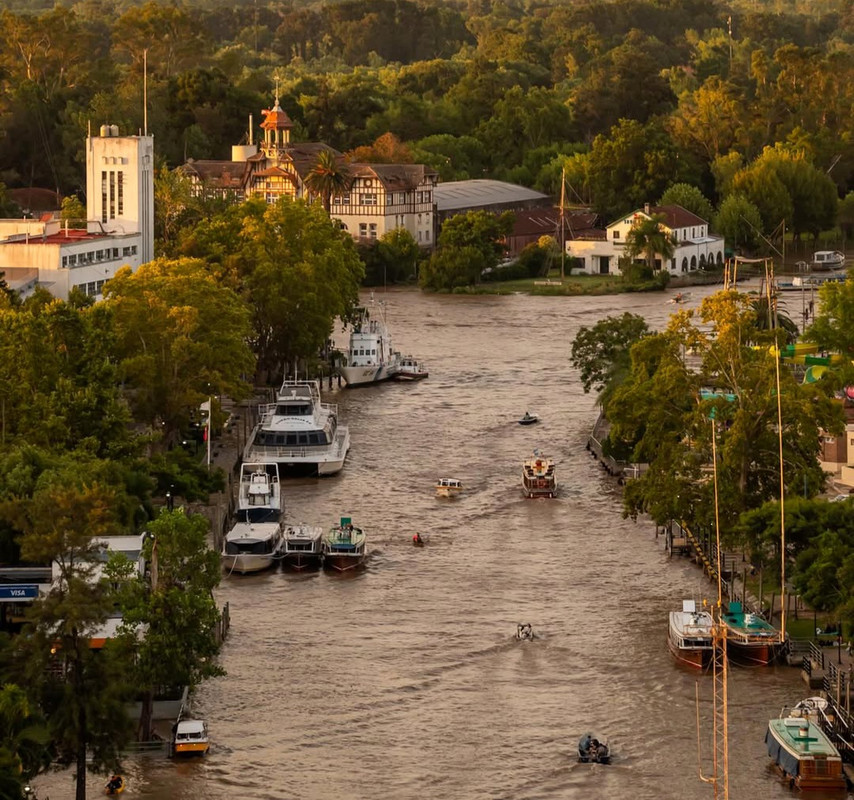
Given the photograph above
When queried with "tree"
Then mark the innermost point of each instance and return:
(648, 237)
(393, 258)
(831, 329)
(328, 177)
(478, 229)
(176, 610)
(73, 212)
(24, 741)
(846, 215)
(739, 222)
(180, 338)
(452, 267)
(81, 689)
(601, 352)
(690, 198)
(386, 149)
(660, 416)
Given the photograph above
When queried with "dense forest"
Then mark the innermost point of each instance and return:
(629, 96)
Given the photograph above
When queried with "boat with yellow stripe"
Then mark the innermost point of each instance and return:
(190, 738)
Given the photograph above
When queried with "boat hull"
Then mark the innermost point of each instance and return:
(753, 654)
(539, 491)
(805, 770)
(696, 657)
(343, 562)
(302, 560)
(245, 563)
(411, 376)
(190, 749)
(365, 376)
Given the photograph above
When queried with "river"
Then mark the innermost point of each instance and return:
(405, 681)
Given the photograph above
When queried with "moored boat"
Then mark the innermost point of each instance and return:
(190, 738)
(690, 635)
(828, 259)
(299, 433)
(803, 751)
(538, 477)
(448, 487)
(750, 639)
(370, 357)
(411, 370)
(594, 749)
(252, 543)
(344, 546)
(302, 546)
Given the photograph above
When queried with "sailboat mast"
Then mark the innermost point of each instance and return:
(562, 231)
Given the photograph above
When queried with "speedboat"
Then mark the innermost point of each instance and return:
(448, 487)
(299, 433)
(302, 546)
(252, 543)
(538, 477)
(594, 749)
(370, 357)
(802, 750)
(828, 259)
(750, 639)
(528, 419)
(690, 635)
(190, 738)
(411, 370)
(345, 546)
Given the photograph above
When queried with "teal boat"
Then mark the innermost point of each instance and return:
(802, 750)
(345, 546)
(750, 639)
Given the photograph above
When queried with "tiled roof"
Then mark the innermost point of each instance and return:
(674, 216)
(226, 174)
(275, 118)
(545, 221)
(394, 177)
(70, 236)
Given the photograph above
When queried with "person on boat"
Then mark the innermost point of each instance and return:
(678, 298)
(115, 783)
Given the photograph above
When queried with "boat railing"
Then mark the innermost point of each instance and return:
(285, 453)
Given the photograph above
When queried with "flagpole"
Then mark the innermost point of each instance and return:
(210, 414)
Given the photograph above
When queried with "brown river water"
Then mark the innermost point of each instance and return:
(405, 681)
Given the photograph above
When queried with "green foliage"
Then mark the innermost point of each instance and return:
(831, 329)
(846, 214)
(180, 337)
(480, 230)
(739, 222)
(391, 259)
(690, 198)
(328, 177)
(648, 237)
(73, 212)
(24, 741)
(601, 352)
(452, 267)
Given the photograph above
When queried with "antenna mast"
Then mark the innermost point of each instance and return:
(562, 232)
(145, 91)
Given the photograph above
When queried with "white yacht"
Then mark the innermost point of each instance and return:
(253, 542)
(370, 357)
(302, 546)
(828, 259)
(299, 433)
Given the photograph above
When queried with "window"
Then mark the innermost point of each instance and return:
(112, 194)
(115, 252)
(369, 199)
(72, 260)
(121, 182)
(426, 236)
(363, 229)
(373, 230)
(419, 236)
(133, 250)
(103, 195)
(616, 233)
(99, 255)
(341, 200)
(65, 261)
(125, 251)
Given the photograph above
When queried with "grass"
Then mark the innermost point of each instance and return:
(574, 285)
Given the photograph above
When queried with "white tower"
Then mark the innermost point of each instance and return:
(120, 186)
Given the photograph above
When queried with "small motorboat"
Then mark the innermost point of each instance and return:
(116, 785)
(448, 487)
(594, 749)
(190, 738)
(528, 419)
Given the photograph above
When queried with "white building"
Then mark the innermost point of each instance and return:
(119, 222)
(381, 197)
(599, 252)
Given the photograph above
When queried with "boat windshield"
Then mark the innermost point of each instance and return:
(293, 409)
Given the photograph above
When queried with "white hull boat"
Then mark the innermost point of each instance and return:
(370, 357)
(299, 433)
(302, 546)
(690, 635)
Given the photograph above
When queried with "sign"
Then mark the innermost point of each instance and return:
(10, 593)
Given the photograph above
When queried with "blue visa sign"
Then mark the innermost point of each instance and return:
(18, 591)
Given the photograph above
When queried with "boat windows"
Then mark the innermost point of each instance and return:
(293, 410)
(303, 438)
(253, 548)
(290, 440)
(257, 515)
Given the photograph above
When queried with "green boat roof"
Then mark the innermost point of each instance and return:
(787, 731)
(737, 617)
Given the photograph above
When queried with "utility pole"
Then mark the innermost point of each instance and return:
(562, 223)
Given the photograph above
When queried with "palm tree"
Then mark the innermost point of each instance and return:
(650, 238)
(328, 177)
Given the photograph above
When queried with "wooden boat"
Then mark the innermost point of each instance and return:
(801, 749)
(344, 547)
(190, 738)
(690, 635)
(448, 487)
(528, 419)
(750, 639)
(411, 370)
(594, 749)
(538, 477)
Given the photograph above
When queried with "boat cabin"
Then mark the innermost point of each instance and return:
(190, 738)
(449, 483)
(827, 259)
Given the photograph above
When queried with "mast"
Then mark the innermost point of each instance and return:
(562, 231)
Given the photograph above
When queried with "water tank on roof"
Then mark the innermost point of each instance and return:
(114, 130)
(241, 152)
(105, 131)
